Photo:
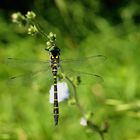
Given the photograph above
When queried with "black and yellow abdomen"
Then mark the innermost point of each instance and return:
(54, 57)
(56, 106)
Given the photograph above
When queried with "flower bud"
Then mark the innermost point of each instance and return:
(30, 15)
(32, 30)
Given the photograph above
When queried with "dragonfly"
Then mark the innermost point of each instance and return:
(56, 64)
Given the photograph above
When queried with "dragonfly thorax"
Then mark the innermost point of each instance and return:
(54, 59)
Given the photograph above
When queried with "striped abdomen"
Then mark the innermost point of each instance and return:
(56, 107)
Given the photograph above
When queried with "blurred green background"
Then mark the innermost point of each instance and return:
(83, 28)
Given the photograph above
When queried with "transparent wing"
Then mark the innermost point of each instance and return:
(42, 78)
(23, 67)
(27, 75)
(81, 77)
(22, 71)
(87, 68)
(16, 62)
(85, 59)
(95, 60)
(84, 63)
(25, 61)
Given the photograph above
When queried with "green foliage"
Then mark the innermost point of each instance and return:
(83, 29)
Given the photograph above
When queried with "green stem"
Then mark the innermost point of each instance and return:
(75, 95)
(90, 124)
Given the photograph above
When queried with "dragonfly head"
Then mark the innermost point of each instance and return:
(55, 52)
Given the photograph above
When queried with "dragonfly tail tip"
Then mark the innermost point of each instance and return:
(55, 120)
